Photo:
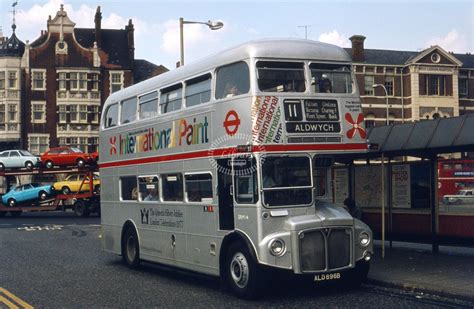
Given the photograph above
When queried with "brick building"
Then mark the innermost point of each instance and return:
(64, 77)
(420, 85)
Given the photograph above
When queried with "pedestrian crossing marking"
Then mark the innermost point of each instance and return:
(12, 301)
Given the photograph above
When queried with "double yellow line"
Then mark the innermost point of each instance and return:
(12, 301)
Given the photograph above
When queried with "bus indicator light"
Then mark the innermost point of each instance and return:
(209, 208)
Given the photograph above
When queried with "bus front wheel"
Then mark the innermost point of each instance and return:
(131, 248)
(242, 274)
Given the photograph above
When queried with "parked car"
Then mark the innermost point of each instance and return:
(28, 192)
(18, 159)
(465, 196)
(95, 157)
(72, 183)
(64, 156)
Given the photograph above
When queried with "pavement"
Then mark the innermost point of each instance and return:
(450, 272)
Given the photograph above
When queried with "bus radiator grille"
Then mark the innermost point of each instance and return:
(325, 250)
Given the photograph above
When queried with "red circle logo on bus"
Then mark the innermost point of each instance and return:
(231, 122)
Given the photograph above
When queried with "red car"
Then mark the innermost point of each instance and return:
(64, 156)
(95, 157)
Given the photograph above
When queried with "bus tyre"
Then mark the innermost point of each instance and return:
(131, 248)
(242, 275)
(80, 209)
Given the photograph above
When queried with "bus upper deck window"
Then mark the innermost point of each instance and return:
(171, 98)
(111, 116)
(148, 105)
(129, 111)
(331, 78)
(198, 90)
(232, 80)
(274, 76)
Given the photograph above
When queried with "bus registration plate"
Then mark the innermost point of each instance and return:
(325, 277)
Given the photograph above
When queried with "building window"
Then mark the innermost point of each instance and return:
(435, 85)
(82, 113)
(93, 144)
(116, 81)
(389, 85)
(368, 83)
(73, 113)
(62, 81)
(2, 113)
(62, 113)
(463, 87)
(38, 80)
(12, 112)
(12, 79)
(95, 114)
(38, 143)
(95, 81)
(62, 141)
(83, 81)
(83, 143)
(38, 112)
(73, 81)
(2, 80)
(370, 121)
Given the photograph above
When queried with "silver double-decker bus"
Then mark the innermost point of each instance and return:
(223, 166)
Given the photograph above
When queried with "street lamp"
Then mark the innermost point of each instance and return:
(386, 96)
(213, 25)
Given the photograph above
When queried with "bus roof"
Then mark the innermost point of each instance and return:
(268, 48)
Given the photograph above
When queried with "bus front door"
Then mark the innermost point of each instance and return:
(226, 204)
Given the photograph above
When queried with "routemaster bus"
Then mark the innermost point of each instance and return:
(221, 167)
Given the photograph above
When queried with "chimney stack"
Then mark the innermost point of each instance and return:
(98, 29)
(357, 48)
(130, 41)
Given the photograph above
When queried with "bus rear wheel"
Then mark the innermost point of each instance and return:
(131, 248)
(242, 274)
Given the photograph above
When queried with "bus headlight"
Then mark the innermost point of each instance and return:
(364, 239)
(277, 247)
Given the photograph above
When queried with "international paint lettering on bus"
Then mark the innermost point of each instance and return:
(266, 115)
(180, 133)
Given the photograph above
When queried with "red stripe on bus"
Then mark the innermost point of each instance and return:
(227, 151)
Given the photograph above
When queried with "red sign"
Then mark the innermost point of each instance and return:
(231, 122)
(357, 125)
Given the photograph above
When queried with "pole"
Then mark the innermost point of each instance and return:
(386, 102)
(383, 205)
(181, 42)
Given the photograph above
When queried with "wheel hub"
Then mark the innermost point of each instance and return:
(239, 270)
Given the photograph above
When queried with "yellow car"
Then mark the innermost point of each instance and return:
(73, 182)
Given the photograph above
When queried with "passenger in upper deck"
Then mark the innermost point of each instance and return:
(325, 85)
(231, 90)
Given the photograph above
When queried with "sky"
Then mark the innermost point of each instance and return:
(397, 25)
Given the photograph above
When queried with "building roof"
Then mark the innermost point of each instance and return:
(12, 47)
(399, 57)
(113, 42)
(144, 69)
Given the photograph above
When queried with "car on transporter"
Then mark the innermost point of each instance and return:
(27, 192)
(465, 196)
(76, 183)
(65, 156)
(18, 159)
